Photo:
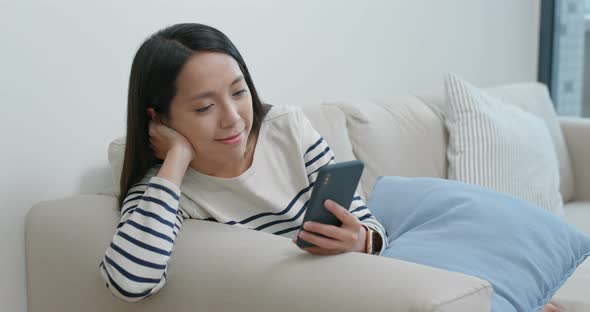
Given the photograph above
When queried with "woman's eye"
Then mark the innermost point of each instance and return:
(240, 92)
(204, 109)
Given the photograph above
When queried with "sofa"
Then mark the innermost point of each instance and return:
(247, 270)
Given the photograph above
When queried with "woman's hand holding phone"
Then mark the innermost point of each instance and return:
(348, 237)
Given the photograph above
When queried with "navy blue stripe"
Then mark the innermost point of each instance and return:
(138, 184)
(318, 142)
(368, 215)
(151, 231)
(165, 189)
(176, 226)
(318, 156)
(359, 208)
(130, 276)
(122, 291)
(155, 216)
(179, 219)
(281, 232)
(139, 261)
(123, 222)
(356, 198)
(127, 209)
(282, 212)
(127, 199)
(135, 192)
(159, 202)
(302, 210)
(318, 169)
(143, 245)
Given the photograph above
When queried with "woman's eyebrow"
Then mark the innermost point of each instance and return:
(207, 94)
(238, 79)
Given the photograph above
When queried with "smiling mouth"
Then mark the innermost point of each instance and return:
(229, 138)
(232, 137)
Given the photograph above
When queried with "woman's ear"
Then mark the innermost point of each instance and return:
(157, 118)
(151, 113)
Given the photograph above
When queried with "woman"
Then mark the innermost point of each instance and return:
(201, 145)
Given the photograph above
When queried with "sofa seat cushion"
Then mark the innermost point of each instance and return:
(578, 214)
(573, 295)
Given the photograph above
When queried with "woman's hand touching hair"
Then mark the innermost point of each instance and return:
(170, 146)
(163, 138)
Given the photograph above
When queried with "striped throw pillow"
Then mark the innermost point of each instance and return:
(500, 146)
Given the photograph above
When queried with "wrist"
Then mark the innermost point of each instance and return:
(373, 241)
(361, 245)
(180, 154)
(174, 167)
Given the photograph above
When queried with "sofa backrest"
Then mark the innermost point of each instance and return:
(404, 135)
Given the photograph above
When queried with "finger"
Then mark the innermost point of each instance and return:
(341, 213)
(320, 251)
(331, 231)
(322, 242)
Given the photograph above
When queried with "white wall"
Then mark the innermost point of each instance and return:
(64, 68)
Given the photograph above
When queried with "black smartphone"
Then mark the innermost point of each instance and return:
(337, 182)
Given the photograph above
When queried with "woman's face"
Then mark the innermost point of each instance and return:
(212, 107)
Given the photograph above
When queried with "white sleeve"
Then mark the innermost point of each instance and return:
(134, 265)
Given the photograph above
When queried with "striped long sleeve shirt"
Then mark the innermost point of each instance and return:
(271, 196)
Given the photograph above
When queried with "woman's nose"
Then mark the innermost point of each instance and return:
(229, 116)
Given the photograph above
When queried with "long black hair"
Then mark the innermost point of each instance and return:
(152, 83)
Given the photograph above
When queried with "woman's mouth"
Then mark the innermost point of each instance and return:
(230, 140)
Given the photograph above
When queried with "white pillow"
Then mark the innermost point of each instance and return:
(532, 97)
(500, 146)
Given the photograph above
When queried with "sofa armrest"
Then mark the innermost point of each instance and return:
(577, 138)
(216, 267)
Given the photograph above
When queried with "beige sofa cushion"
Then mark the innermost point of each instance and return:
(395, 136)
(330, 122)
(218, 267)
(534, 98)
